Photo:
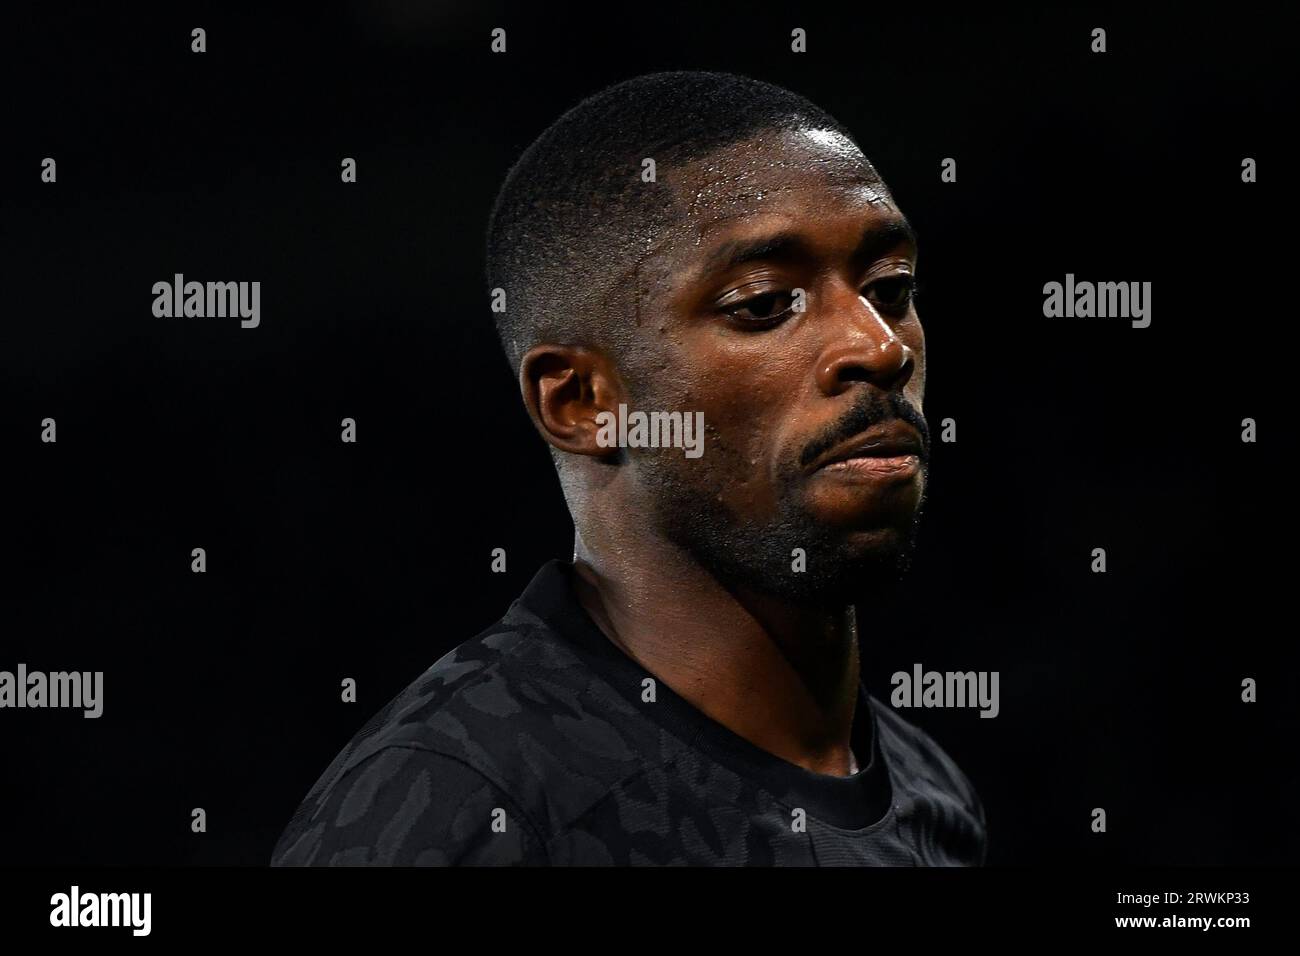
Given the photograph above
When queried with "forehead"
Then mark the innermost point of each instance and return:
(771, 180)
(767, 170)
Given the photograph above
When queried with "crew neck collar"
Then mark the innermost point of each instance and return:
(856, 801)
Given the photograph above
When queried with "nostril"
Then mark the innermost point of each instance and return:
(854, 373)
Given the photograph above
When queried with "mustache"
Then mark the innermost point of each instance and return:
(873, 409)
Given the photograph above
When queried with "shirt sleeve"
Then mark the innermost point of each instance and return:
(403, 806)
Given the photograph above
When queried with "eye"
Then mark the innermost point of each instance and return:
(759, 309)
(893, 293)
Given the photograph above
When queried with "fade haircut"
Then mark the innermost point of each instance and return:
(574, 212)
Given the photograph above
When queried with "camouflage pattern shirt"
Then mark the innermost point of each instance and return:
(532, 744)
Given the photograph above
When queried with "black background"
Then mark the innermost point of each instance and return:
(369, 561)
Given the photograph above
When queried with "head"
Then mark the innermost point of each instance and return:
(759, 274)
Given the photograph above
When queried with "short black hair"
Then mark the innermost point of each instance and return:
(574, 205)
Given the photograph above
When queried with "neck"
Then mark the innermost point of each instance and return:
(783, 676)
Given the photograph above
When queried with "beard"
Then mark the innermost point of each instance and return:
(759, 556)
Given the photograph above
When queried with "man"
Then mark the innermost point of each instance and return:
(687, 690)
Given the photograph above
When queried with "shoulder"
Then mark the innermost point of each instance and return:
(496, 746)
(931, 790)
(402, 806)
(916, 756)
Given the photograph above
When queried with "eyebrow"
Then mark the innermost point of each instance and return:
(876, 239)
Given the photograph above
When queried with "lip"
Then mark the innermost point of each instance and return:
(892, 449)
(874, 468)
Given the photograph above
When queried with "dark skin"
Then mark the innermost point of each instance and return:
(716, 331)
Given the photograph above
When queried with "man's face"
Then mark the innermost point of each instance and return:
(814, 437)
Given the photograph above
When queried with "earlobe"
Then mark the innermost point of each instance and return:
(565, 389)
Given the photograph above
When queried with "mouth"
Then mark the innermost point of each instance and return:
(891, 451)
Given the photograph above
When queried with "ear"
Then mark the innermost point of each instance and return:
(565, 389)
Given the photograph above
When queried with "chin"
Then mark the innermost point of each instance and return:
(843, 571)
(876, 543)
(863, 517)
(871, 557)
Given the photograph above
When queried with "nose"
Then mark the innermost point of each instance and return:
(865, 349)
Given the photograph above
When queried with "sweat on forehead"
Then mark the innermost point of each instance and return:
(753, 176)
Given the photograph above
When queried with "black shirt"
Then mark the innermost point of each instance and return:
(537, 742)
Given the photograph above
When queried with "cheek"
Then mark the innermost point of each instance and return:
(745, 398)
